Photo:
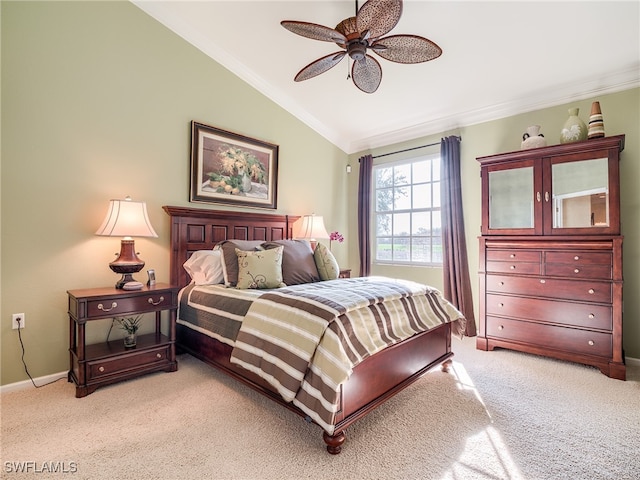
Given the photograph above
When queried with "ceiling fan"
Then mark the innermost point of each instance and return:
(365, 32)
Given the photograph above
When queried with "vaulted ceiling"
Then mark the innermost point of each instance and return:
(499, 59)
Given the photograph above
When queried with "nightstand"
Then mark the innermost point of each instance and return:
(92, 366)
(345, 273)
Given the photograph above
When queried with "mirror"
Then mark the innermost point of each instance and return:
(580, 194)
(511, 198)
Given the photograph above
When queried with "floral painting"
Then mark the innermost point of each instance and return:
(231, 168)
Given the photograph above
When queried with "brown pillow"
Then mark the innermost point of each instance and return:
(230, 259)
(298, 264)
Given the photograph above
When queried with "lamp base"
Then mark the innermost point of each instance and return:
(127, 263)
(128, 278)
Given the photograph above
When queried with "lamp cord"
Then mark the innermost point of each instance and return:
(25, 365)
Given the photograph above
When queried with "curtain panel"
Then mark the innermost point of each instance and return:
(364, 214)
(457, 285)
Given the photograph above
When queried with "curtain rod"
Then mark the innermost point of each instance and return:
(409, 149)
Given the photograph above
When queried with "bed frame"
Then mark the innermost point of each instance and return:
(373, 382)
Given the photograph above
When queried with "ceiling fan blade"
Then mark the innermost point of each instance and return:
(319, 66)
(367, 74)
(314, 31)
(406, 49)
(379, 16)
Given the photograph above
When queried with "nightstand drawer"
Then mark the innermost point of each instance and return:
(145, 302)
(122, 364)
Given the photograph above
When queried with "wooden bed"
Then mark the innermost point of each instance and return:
(374, 381)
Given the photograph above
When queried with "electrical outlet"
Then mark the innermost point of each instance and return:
(17, 320)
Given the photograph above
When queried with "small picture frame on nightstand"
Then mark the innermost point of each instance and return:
(152, 277)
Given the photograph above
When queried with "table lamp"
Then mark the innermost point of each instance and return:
(126, 218)
(311, 227)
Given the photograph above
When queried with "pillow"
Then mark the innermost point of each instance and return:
(298, 265)
(326, 263)
(205, 267)
(260, 269)
(230, 260)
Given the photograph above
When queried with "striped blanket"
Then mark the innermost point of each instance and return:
(305, 340)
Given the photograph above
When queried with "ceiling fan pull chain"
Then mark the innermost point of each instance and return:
(348, 68)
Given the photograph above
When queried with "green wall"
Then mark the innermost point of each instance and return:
(621, 113)
(97, 100)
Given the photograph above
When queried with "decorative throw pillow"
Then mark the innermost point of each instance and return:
(326, 263)
(298, 265)
(205, 267)
(260, 269)
(230, 260)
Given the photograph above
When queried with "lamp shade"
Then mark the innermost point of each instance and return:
(126, 218)
(310, 227)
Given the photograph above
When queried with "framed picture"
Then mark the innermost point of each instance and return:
(152, 277)
(232, 169)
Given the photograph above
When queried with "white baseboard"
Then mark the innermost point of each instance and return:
(632, 361)
(12, 387)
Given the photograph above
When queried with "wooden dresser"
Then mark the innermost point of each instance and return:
(551, 253)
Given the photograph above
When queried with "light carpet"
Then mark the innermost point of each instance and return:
(495, 415)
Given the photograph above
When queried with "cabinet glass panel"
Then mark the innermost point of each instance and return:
(580, 194)
(511, 198)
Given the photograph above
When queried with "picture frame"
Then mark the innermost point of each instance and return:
(232, 169)
(152, 277)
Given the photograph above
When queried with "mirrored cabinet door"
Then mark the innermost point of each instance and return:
(568, 189)
(584, 195)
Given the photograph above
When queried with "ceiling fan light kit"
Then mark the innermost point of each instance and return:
(356, 35)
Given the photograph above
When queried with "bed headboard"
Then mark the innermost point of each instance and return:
(195, 229)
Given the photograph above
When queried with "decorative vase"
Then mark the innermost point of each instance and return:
(130, 340)
(532, 138)
(574, 129)
(596, 124)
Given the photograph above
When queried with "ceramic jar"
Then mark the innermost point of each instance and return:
(532, 138)
(574, 129)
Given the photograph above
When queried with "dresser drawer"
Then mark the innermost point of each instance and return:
(579, 257)
(578, 270)
(550, 336)
(532, 256)
(145, 302)
(567, 313)
(588, 291)
(114, 366)
(523, 268)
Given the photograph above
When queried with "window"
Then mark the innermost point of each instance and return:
(407, 212)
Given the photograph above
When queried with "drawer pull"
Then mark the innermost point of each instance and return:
(155, 303)
(101, 369)
(513, 255)
(591, 291)
(591, 342)
(512, 267)
(501, 305)
(591, 315)
(576, 257)
(543, 281)
(500, 327)
(159, 355)
(101, 307)
(501, 283)
(577, 270)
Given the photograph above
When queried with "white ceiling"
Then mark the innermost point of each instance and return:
(499, 59)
